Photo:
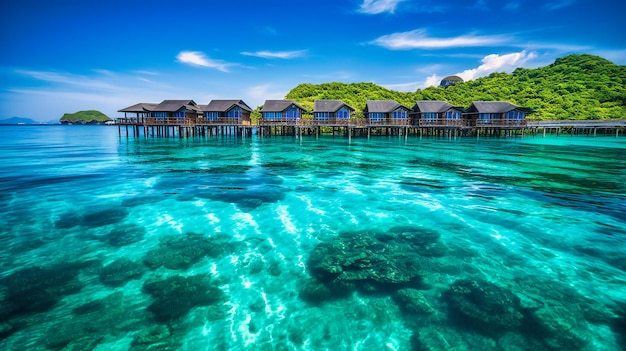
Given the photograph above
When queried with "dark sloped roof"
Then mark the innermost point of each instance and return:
(175, 105)
(225, 105)
(329, 105)
(494, 107)
(279, 105)
(140, 107)
(383, 105)
(436, 106)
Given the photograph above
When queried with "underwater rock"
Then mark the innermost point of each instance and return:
(152, 335)
(372, 261)
(248, 191)
(37, 289)
(84, 343)
(183, 251)
(89, 322)
(413, 301)
(484, 306)
(255, 265)
(175, 296)
(559, 328)
(67, 221)
(438, 338)
(274, 268)
(315, 292)
(124, 235)
(516, 341)
(104, 217)
(92, 219)
(120, 271)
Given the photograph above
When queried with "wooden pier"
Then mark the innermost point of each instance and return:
(361, 127)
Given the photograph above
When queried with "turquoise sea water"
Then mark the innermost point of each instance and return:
(110, 243)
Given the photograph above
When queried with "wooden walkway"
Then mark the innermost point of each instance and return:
(181, 127)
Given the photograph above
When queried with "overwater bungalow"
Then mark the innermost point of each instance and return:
(332, 113)
(495, 114)
(138, 112)
(281, 112)
(226, 112)
(175, 112)
(385, 113)
(435, 113)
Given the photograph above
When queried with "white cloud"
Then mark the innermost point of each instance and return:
(256, 95)
(432, 81)
(196, 58)
(70, 79)
(418, 39)
(490, 63)
(498, 63)
(374, 7)
(276, 54)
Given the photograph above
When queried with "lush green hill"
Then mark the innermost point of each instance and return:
(89, 116)
(573, 87)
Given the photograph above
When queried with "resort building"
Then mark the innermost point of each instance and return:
(436, 113)
(495, 114)
(281, 111)
(226, 112)
(332, 112)
(139, 111)
(176, 111)
(386, 113)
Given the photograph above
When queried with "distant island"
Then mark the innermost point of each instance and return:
(23, 120)
(85, 117)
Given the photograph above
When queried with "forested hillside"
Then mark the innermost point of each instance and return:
(573, 87)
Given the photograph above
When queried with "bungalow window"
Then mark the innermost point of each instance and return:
(211, 116)
(159, 115)
(398, 114)
(343, 113)
(430, 115)
(453, 115)
(180, 113)
(517, 115)
(376, 116)
(234, 113)
(292, 113)
(321, 116)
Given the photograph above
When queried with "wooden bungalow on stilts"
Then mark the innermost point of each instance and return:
(387, 117)
(172, 117)
(434, 117)
(283, 116)
(226, 117)
(333, 113)
(496, 117)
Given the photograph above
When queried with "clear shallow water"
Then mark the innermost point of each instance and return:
(111, 243)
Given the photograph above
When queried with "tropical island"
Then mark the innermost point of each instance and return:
(574, 87)
(85, 117)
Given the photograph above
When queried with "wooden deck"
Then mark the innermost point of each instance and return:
(184, 127)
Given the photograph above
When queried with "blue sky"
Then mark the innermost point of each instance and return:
(63, 56)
